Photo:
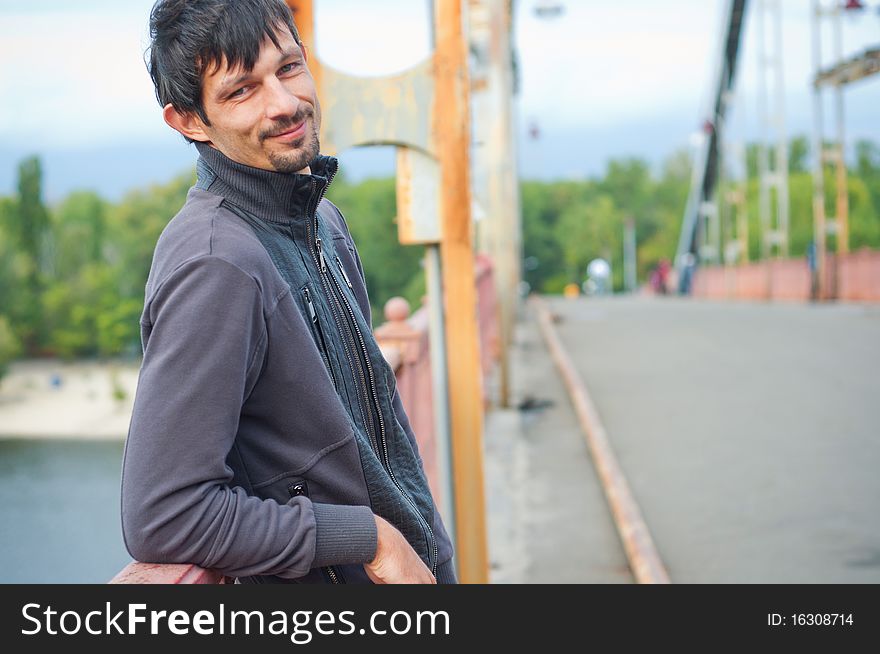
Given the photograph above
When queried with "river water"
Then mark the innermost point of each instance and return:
(59, 510)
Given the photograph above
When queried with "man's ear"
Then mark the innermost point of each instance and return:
(188, 124)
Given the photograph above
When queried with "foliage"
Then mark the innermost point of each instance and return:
(26, 226)
(566, 224)
(74, 286)
(72, 276)
(9, 346)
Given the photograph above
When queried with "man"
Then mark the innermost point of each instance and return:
(268, 440)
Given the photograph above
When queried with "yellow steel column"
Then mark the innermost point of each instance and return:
(451, 128)
(503, 191)
(304, 17)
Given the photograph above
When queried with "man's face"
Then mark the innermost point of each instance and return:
(269, 117)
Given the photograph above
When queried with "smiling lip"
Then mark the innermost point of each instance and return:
(293, 134)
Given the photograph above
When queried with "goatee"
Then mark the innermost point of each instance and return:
(298, 154)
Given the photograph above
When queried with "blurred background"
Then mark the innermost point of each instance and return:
(742, 404)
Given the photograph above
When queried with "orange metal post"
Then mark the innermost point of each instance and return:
(452, 135)
(304, 17)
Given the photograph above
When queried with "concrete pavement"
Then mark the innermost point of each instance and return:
(749, 433)
(547, 517)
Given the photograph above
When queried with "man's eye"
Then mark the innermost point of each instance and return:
(288, 67)
(237, 93)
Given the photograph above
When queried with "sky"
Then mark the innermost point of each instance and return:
(603, 80)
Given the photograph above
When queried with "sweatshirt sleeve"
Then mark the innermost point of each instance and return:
(204, 338)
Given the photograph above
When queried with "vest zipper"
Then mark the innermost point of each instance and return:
(320, 261)
(354, 361)
(321, 265)
(331, 572)
(318, 255)
(302, 488)
(342, 270)
(382, 434)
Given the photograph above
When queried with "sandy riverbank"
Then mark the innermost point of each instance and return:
(54, 399)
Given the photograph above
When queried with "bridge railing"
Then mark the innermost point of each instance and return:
(167, 573)
(403, 339)
(853, 277)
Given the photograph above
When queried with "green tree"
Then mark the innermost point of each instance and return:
(8, 253)
(78, 233)
(86, 316)
(542, 207)
(628, 183)
(868, 170)
(9, 346)
(798, 152)
(28, 223)
(864, 219)
(588, 231)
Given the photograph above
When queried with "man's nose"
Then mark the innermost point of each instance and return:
(280, 102)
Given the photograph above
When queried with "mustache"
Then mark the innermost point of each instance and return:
(286, 124)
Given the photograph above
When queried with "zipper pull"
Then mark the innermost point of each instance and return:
(312, 313)
(342, 270)
(321, 256)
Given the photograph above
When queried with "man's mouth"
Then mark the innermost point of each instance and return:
(291, 134)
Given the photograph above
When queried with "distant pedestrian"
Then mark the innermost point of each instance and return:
(663, 269)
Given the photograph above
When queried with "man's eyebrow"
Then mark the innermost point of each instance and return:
(287, 54)
(244, 77)
(228, 86)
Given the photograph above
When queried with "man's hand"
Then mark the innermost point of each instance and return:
(396, 561)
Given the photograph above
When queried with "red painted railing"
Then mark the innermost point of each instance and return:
(404, 342)
(853, 277)
(403, 339)
(166, 573)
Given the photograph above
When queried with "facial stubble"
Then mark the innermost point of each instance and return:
(298, 154)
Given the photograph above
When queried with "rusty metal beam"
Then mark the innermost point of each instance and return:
(851, 70)
(451, 127)
(495, 171)
(377, 110)
(418, 198)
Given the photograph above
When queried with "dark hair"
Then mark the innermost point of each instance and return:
(189, 37)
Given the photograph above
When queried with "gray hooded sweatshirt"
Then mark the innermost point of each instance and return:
(267, 428)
